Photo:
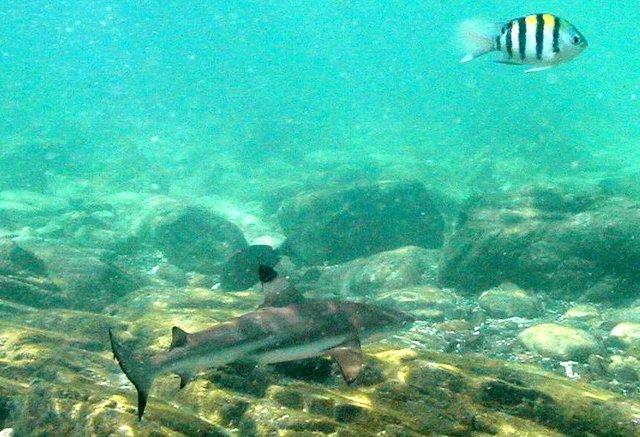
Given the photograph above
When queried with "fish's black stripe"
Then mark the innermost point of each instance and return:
(556, 34)
(522, 37)
(498, 43)
(539, 35)
(509, 43)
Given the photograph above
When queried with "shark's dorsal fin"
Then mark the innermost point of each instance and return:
(278, 292)
(349, 358)
(179, 338)
(185, 378)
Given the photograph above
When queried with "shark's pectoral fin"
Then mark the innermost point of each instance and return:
(179, 337)
(349, 358)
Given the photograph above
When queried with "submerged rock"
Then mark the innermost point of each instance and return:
(335, 226)
(559, 342)
(624, 368)
(542, 238)
(627, 335)
(59, 378)
(400, 268)
(87, 279)
(583, 312)
(14, 259)
(509, 300)
(193, 238)
(19, 208)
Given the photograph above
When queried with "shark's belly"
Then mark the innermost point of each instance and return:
(298, 351)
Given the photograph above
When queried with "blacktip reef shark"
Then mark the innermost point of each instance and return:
(286, 327)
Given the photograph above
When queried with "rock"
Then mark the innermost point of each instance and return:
(39, 293)
(14, 259)
(509, 300)
(583, 312)
(86, 279)
(335, 226)
(194, 239)
(321, 405)
(285, 396)
(400, 268)
(433, 376)
(629, 314)
(53, 384)
(627, 335)
(27, 208)
(559, 342)
(624, 368)
(350, 413)
(170, 273)
(574, 245)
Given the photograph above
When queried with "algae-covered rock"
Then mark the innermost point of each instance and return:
(400, 268)
(335, 226)
(54, 383)
(560, 342)
(15, 259)
(20, 208)
(545, 238)
(627, 335)
(509, 300)
(34, 292)
(583, 312)
(624, 368)
(87, 279)
(194, 239)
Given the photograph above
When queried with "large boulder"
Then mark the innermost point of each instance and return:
(559, 342)
(366, 277)
(576, 245)
(86, 279)
(190, 237)
(194, 239)
(23, 280)
(335, 226)
(20, 208)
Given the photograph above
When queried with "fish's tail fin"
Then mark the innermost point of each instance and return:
(477, 37)
(138, 372)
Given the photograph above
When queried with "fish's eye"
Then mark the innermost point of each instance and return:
(576, 40)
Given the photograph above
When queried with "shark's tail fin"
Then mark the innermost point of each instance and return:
(139, 372)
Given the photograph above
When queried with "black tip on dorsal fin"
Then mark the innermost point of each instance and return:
(266, 273)
(179, 337)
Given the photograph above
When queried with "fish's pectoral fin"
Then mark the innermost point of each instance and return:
(533, 70)
(179, 338)
(506, 62)
(349, 357)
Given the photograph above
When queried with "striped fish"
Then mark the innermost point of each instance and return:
(539, 40)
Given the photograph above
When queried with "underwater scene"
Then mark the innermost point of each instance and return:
(319, 218)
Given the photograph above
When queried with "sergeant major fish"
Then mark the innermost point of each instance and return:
(286, 327)
(539, 40)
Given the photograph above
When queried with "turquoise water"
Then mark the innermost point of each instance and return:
(143, 144)
(184, 85)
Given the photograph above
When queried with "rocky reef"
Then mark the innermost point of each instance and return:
(59, 378)
(501, 345)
